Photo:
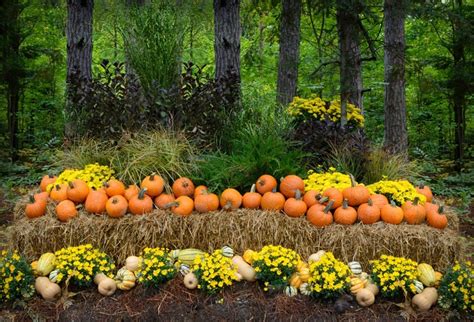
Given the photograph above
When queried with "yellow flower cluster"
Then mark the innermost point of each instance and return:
(16, 277)
(329, 277)
(274, 266)
(93, 174)
(214, 271)
(399, 191)
(394, 275)
(321, 110)
(81, 264)
(456, 289)
(320, 181)
(156, 267)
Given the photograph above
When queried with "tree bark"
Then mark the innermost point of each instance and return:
(227, 40)
(79, 54)
(350, 71)
(289, 51)
(395, 133)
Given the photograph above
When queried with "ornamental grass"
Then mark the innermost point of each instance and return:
(240, 229)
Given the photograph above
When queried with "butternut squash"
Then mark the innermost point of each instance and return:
(47, 289)
(248, 272)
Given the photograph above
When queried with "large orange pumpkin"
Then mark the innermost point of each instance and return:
(183, 187)
(252, 199)
(44, 195)
(356, 194)
(266, 183)
(273, 200)
(114, 187)
(59, 192)
(311, 197)
(332, 194)
(199, 190)
(414, 212)
(230, 199)
(66, 210)
(96, 201)
(425, 191)
(206, 202)
(162, 200)
(391, 214)
(140, 204)
(183, 206)
(295, 207)
(116, 206)
(368, 213)
(154, 185)
(131, 191)
(46, 181)
(320, 217)
(290, 184)
(345, 214)
(436, 218)
(379, 200)
(77, 191)
(35, 208)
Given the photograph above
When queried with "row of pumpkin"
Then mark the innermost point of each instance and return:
(346, 207)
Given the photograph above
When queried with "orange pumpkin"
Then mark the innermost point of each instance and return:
(345, 214)
(183, 187)
(391, 214)
(436, 218)
(131, 191)
(273, 200)
(182, 206)
(290, 184)
(66, 210)
(356, 194)
(96, 201)
(368, 213)
(266, 183)
(430, 206)
(35, 208)
(59, 192)
(414, 213)
(114, 187)
(153, 184)
(77, 191)
(206, 202)
(311, 197)
(379, 200)
(230, 199)
(46, 181)
(162, 200)
(199, 190)
(116, 206)
(252, 199)
(320, 217)
(44, 195)
(295, 207)
(425, 191)
(332, 194)
(140, 204)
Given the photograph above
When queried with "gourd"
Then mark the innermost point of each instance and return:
(227, 251)
(356, 194)
(295, 280)
(186, 256)
(183, 187)
(125, 279)
(105, 285)
(290, 184)
(133, 263)
(332, 194)
(141, 203)
(316, 256)
(291, 291)
(426, 274)
(273, 200)
(248, 256)
(206, 201)
(418, 286)
(295, 207)
(248, 272)
(357, 285)
(53, 276)
(355, 267)
(154, 185)
(305, 289)
(365, 297)
(372, 287)
(238, 277)
(46, 263)
(303, 273)
(266, 183)
(438, 277)
(190, 281)
(345, 215)
(184, 269)
(47, 289)
(425, 299)
(230, 199)
(34, 267)
(252, 199)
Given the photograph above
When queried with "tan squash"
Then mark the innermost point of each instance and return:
(244, 269)
(105, 285)
(426, 299)
(132, 263)
(365, 297)
(47, 289)
(372, 287)
(316, 256)
(190, 281)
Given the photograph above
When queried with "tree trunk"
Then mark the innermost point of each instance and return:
(227, 41)
(395, 133)
(349, 52)
(79, 54)
(289, 51)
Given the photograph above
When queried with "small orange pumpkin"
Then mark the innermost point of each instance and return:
(116, 206)
(162, 200)
(379, 200)
(131, 191)
(96, 201)
(206, 202)
(183, 187)
(290, 184)
(77, 191)
(295, 207)
(345, 214)
(199, 190)
(154, 185)
(114, 187)
(66, 210)
(273, 200)
(311, 197)
(59, 192)
(230, 199)
(320, 217)
(425, 191)
(182, 206)
(46, 181)
(356, 194)
(436, 218)
(252, 199)
(368, 213)
(332, 194)
(44, 195)
(140, 204)
(391, 214)
(414, 212)
(266, 183)
(35, 208)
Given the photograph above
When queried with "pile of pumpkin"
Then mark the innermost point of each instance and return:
(352, 204)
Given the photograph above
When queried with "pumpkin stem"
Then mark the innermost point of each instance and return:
(141, 194)
(105, 184)
(328, 207)
(344, 204)
(32, 199)
(228, 205)
(440, 209)
(168, 189)
(421, 186)
(171, 204)
(415, 201)
(50, 176)
(152, 177)
(274, 190)
(252, 189)
(297, 194)
(323, 199)
(370, 202)
(353, 181)
(114, 200)
(58, 187)
(393, 203)
(71, 185)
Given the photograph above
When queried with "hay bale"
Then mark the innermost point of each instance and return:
(241, 229)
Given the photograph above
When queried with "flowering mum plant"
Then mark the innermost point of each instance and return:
(80, 264)
(456, 289)
(214, 271)
(156, 267)
(321, 180)
(395, 276)
(93, 174)
(274, 266)
(329, 277)
(399, 191)
(16, 277)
